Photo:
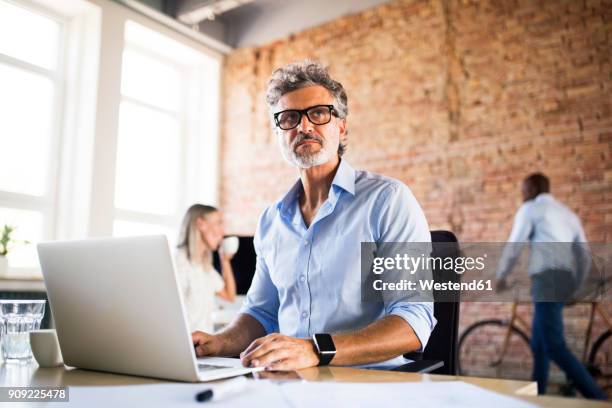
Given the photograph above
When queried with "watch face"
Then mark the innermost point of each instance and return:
(325, 342)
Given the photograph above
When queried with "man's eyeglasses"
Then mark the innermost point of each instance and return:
(317, 115)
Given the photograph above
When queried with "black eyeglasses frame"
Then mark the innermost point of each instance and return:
(302, 112)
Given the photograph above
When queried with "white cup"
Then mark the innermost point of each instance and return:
(45, 348)
(230, 245)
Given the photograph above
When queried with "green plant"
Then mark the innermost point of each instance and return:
(6, 240)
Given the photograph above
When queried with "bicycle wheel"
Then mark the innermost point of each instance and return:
(480, 352)
(600, 362)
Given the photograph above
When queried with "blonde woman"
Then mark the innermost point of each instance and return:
(201, 234)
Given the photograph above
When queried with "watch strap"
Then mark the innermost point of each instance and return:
(325, 356)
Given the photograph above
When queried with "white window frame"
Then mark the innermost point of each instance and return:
(83, 166)
(169, 221)
(47, 203)
(198, 118)
(201, 135)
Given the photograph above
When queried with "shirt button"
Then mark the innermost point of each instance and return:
(302, 278)
(304, 315)
(306, 243)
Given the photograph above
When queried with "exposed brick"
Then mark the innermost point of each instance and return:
(458, 99)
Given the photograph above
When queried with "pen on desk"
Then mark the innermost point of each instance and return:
(223, 390)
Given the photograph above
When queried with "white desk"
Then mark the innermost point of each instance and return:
(32, 375)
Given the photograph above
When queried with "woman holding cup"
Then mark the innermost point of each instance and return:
(201, 234)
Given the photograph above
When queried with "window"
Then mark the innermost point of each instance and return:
(108, 123)
(31, 72)
(158, 124)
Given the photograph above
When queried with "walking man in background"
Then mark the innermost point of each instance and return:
(558, 263)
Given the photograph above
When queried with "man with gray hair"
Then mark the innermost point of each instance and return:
(304, 306)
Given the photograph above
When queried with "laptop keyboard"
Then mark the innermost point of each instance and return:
(209, 367)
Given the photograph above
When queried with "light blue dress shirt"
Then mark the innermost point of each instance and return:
(308, 279)
(550, 228)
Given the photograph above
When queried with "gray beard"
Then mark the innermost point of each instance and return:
(305, 160)
(308, 160)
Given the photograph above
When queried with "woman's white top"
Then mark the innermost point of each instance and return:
(198, 283)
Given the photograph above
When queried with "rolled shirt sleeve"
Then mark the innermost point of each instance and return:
(401, 219)
(420, 316)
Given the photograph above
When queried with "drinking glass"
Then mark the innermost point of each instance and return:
(17, 319)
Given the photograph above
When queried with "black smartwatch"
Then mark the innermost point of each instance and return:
(325, 347)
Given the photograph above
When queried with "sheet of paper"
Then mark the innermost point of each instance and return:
(300, 394)
(264, 394)
(455, 394)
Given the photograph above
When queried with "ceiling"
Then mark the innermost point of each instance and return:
(261, 21)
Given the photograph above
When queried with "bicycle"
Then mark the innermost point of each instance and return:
(514, 359)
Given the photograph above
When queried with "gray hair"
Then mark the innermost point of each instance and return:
(302, 74)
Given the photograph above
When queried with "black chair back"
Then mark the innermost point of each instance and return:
(443, 342)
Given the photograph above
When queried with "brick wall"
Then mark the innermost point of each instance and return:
(458, 99)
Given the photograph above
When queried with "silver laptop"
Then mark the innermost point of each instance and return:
(118, 308)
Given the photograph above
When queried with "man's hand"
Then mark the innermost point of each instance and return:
(206, 344)
(277, 352)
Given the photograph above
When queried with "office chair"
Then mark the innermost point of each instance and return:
(440, 354)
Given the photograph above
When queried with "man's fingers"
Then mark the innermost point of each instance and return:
(247, 355)
(254, 344)
(202, 343)
(199, 337)
(271, 357)
(263, 349)
(279, 353)
(257, 342)
(203, 349)
(287, 364)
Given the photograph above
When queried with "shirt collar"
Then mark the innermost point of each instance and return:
(284, 205)
(543, 196)
(344, 179)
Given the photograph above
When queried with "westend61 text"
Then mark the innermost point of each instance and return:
(406, 285)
